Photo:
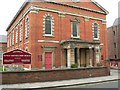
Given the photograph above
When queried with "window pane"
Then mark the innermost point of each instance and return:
(95, 31)
(27, 28)
(74, 27)
(48, 25)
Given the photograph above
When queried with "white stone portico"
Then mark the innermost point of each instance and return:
(82, 53)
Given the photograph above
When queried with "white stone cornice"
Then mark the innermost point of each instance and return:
(68, 13)
(48, 41)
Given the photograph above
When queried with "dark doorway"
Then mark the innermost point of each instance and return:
(75, 51)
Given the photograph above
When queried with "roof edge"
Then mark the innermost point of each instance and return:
(106, 12)
(27, 1)
(19, 11)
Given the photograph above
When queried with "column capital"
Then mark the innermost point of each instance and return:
(90, 47)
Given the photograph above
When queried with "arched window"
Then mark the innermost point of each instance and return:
(48, 25)
(13, 37)
(75, 28)
(26, 28)
(21, 29)
(16, 35)
(96, 31)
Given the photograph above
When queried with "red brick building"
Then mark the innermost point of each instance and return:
(60, 34)
(3, 46)
(113, 35)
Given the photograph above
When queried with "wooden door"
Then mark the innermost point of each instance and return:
(48, 60)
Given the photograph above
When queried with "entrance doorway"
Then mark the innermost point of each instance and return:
(48, 60)
(76, 55)
(84, 57)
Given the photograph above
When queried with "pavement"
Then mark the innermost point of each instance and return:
(114, 76)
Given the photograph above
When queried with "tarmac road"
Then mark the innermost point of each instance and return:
(110, 85)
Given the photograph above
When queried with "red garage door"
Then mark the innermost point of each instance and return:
(48, 60)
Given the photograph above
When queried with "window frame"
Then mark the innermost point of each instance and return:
(50, 26)
(26, 27)
(21, 31)
(78, 31)
(13, 37)
(16, 35)
(97, 31)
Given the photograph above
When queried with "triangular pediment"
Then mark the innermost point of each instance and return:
(83, 4)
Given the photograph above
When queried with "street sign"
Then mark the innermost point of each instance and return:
(17, 57)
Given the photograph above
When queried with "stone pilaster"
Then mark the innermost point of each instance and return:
(97, 54)
(78, 57)
(72, 56)
(68, 58)
(91, 56)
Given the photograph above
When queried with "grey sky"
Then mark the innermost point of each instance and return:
(9, 8)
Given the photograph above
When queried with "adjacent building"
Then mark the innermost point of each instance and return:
(113, 34)
(3, 46)
(60, 34)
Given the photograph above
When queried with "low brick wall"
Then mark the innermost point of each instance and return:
(52, 75)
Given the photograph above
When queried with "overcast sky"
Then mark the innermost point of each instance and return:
(9, 8)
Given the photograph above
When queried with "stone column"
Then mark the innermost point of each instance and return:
(91, 55)
(78, 57)
(97, 52)
(68, 58)
(72, 57)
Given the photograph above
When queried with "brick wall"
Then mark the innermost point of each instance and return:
(113, 37)
(52, 75)
(61, 25)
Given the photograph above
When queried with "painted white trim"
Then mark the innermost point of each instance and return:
(64, 12)
(48, 41)
(33, 11)
(49, 35)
